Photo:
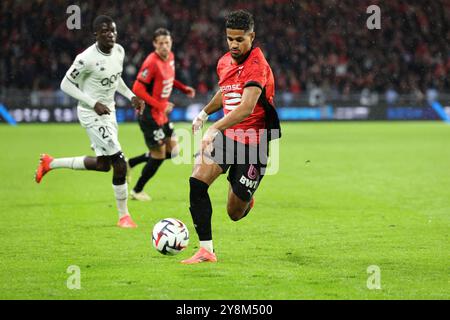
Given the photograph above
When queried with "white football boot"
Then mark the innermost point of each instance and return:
(140, 196)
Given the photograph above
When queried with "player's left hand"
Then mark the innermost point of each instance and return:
(208, 138)
(169, 108)
(138, 104)
(190, 92)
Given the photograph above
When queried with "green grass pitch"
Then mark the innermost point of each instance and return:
(347, 196)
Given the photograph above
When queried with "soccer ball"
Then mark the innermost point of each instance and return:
(170, 236)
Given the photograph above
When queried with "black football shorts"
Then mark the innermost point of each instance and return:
(154, 134)
(245, 164)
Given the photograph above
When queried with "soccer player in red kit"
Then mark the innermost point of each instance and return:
(234, 143)
(154, 85)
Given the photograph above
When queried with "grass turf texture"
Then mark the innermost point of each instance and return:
(348, 195)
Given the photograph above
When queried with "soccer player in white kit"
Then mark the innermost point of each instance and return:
(93, 79)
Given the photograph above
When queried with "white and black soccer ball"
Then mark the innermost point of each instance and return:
(170, 236)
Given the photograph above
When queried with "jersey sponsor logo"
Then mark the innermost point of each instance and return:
(248, 182)
(230, 87)
(111, 80)
(232, 100)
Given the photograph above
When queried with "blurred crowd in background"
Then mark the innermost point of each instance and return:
(321, 45)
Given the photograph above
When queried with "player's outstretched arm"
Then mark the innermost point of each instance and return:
(214, 105)
(189, 91)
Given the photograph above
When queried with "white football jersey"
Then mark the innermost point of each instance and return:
(97, 74)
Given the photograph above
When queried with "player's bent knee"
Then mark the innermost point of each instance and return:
(120, 169)
(119, 164)
(235, 214)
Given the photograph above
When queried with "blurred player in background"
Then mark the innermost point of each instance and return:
(154, 85)
(93, 79)
(232, 143)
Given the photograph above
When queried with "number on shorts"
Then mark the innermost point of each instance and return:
(105, 132)
(159, 134)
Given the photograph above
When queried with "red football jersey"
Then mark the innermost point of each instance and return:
(233, 78)
(158, 76)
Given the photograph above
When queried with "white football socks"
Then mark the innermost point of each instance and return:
(121, 194)
(208, 245)
(76, 163)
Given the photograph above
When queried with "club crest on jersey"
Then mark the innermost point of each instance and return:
(100, 65)
(252, 172)
(240, 70)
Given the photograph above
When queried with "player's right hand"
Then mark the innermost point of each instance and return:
(197, 124)
(199, 120)
(138, 104)
(101, 109)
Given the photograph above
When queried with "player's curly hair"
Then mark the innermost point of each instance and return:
(240, 20)
(99, 20)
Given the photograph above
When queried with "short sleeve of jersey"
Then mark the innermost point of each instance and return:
(146, 74)
(256, 74)
(78, 69)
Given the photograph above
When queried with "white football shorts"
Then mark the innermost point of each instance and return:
(103, 132)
